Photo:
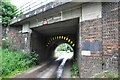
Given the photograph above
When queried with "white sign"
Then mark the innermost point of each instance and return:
(86, 53)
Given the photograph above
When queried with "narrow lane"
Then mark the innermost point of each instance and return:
(66, 71)
(47, 71)
(50, 72)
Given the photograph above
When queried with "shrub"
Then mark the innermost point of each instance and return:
(12, 61)
(8, 43)
(5, 42)
(109, 74)
(74, 69)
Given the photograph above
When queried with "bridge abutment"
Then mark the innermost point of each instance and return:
(99, 38)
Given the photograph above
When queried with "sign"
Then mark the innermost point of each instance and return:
(45, 21)
(86, 53)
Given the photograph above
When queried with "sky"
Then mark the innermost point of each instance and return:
(20, 3)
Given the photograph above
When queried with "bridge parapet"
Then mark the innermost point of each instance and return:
(28, 12)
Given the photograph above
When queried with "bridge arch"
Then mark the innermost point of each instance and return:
(55, 41)
(63, 38)
(44, 39)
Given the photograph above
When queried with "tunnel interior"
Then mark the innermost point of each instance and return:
(45, 39)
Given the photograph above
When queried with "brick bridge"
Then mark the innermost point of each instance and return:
(90, 27)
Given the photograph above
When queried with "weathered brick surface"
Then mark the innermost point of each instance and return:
(14, 37)
(91, 33)
(90, 65)
(92, 30)
(111, 62)
(18, 40)
(110, 27)
(104, 30)
(119, 37)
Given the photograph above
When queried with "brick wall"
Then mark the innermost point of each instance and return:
(91, 32)
(110, 27)
(110, 34)
(14, 36)
(105, 31)
(90, 65)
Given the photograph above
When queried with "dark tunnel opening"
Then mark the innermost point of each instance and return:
(41, 35)
(51, 48)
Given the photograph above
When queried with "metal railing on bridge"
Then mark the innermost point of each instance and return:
(32, 5)
(35, 7)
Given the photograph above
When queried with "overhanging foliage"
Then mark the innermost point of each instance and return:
(9, 11)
